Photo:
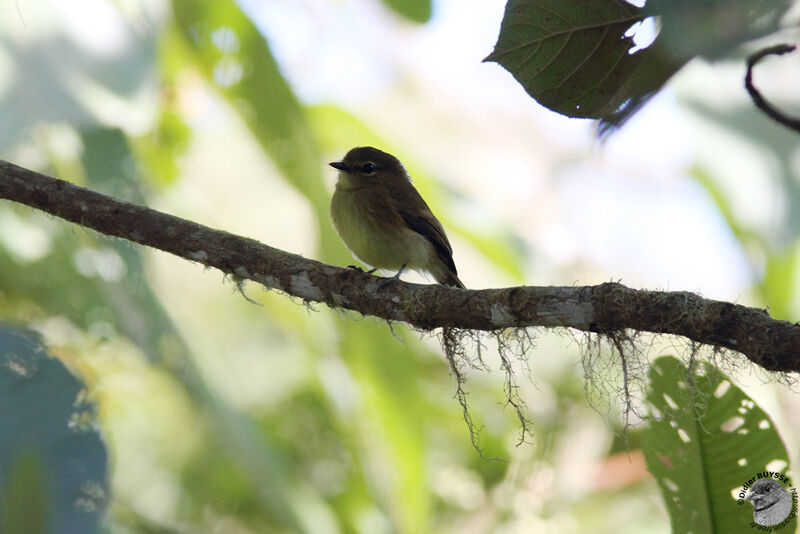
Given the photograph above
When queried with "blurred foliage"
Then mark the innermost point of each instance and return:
(775, 263)
(773, 253)
(52, 461)
(414, 10)
(705, 440)
(236, 59)
(580, 58)
(159, 148)
(220, 416)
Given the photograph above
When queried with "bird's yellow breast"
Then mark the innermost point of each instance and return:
(379, 238)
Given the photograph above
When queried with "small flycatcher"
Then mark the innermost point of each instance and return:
(384, 221)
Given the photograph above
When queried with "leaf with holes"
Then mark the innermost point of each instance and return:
(703, 443)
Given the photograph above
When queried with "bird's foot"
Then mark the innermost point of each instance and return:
(391, 280)
(357, 268)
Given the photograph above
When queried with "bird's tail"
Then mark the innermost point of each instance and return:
(449, 278)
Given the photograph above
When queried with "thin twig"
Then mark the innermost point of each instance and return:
(759, 100)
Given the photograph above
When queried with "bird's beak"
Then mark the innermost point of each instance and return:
(338, 165)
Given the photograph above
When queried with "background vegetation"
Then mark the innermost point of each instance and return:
(218, 415)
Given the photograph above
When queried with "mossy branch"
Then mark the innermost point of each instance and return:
(606, 308)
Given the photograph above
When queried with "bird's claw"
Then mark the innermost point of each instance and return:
(357, 268)
(390, 280)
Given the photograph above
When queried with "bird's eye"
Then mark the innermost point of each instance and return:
(768, 489)
(368, 168)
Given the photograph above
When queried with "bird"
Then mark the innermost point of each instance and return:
(383, 220)
(771, 502)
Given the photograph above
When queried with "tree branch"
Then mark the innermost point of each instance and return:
(605, 309)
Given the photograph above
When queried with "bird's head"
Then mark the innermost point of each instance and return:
(365, 165)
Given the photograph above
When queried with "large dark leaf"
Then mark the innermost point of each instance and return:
(52, 462)
(576, 57)
(570, 56)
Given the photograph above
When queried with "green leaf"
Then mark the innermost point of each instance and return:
(414, 10)
(160, 148)
(777, 285)
(706, 181)
(236, 59)
(393, 420)
(777, 288)
(52, 462)
(576, 57)
(707, 442)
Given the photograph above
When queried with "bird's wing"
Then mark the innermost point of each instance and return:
(432, 230)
